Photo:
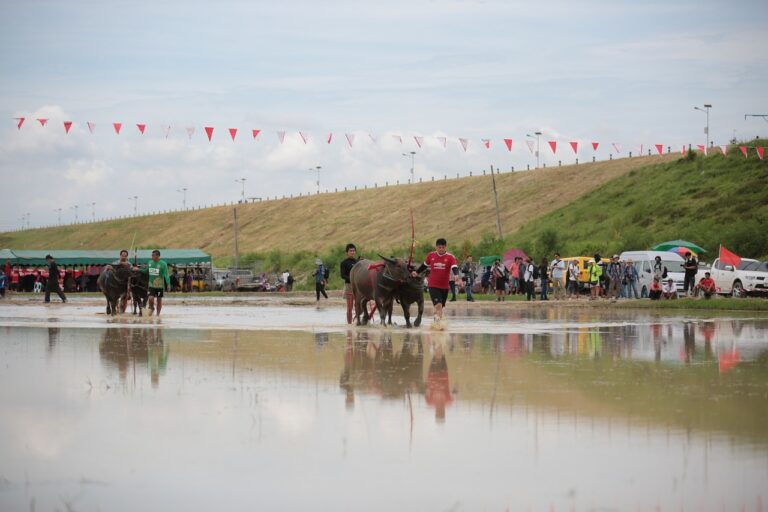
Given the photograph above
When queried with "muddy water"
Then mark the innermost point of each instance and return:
(506, 410)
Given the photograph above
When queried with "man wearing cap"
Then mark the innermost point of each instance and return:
(630, 278)
(614, 275)
(691, 267)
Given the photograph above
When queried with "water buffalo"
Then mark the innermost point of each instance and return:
(411, 291)
(380, 282)
(117, 282)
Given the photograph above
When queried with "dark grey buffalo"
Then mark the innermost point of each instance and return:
(410, 292)
(379, 282)
(119, 281)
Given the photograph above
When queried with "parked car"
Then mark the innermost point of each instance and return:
(750, 278)
(583, 264)
(643, 262)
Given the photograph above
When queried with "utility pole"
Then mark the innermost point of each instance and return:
(496, 202)
(58, 210)
(237, 249)
(183, 198)
(135, 200)
(317, 170)
(707, 106)
(93, 212)
(242, 190)
(75, 208)
(412, 154)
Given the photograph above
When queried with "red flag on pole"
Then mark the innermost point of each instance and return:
(233, 133)
(330, 137)
(67, 126)
(281, 136)
(91, 127)
(255, 133)
(117, 127)
(42, 121)
(303, 137)
(21, 122)
(209, 132)
(743, 150)
(594, 146)
(190, 132)
(350, 138)
(729, 258)
(418, 140)
(443, 141)
(660, 148)
(486, 143)
(760, 152)
(553, 145)
(616, 146)
(575, 147)
(508, 142)
(464, 143)
(141, 128)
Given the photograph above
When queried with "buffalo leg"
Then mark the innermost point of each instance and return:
(406, 313)
(417, 322)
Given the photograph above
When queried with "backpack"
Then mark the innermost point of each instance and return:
(290, 278)
(326, 272)
(535, 272)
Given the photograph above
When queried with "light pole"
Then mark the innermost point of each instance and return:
(58, 210)
(135, 200)
(412, 154)
(27, 217)
(537, 134)
(93, 212)
(184, 197)
(707, 106)
(317, 170)
(75, 208)
(241, 181)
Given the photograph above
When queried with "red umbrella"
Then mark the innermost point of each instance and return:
(511, 254)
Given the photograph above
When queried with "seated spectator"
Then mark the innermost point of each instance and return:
(656, 290)
(706, 286)
(669, 290)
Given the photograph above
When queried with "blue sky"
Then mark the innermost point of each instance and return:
(627, 72)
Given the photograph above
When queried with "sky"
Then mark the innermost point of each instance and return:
(628, 72)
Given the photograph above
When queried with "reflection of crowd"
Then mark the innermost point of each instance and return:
(123, 347)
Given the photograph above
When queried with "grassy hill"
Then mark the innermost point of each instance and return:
(708, 200)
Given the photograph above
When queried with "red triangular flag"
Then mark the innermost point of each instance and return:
(660, 148)
(67, 126)
(418, 140)
(486, 143)
(233, 133)
(553, 145)
(281, 136)
(209, 132)
(141, 128)
(21, 122)
(443, 141)
(701, 147)
(616, 146)
(190, 132)
(330, 137)
(117, 127)
(255, 133)
(42, 121)
(760, 152)
(729, 258)
(743, 150)
(724, 149)
(575, 147)
(303, 137)
(508, 142)
(350, 138)
(464, 143)
(91, 127)
(594, 146)
(531, 145)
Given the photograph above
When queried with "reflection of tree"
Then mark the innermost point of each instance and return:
(375, 368)
(124, 348)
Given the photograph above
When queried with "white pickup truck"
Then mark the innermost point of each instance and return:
(751, 278)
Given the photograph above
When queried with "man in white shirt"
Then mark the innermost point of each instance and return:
(529, 278)
(557, 273)
(287, 281)
(669, 290)
(573, 282)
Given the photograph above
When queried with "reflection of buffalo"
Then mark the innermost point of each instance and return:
(380, 282)
(375, 368)
(120, 347)
(121, 281)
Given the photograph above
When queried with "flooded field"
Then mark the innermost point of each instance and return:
(236, 408)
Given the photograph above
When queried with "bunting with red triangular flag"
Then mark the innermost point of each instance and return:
(486, 143)
(724, 150)
(233, 133)
(303, 137)
(660, 148)
(616, 146)
(91, 127)
(508, 142)
(443, 141)
(330, 137)
(42, 121)
(464, 143)
(21, 122)
(743, 150)
(209, 132)
(141, 128)
(255, 133)
(575, 146)
(553, 146)
(350, 138)
(281, 136)
(760, 152)
(190, 132)
(594, 146)
(418, 140)
(67, 126)
(398, 138)
(531, 145)
(117, 127)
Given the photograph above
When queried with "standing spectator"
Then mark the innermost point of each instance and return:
(614, 277)
(707, 286)
(655, 292)
(691, 267)
(8, 270)
(53, 281)
(558, 272)
(521, 267)
(573, 279)
(659, 270)
(452, 284)
(175, 280)
(468, 270)
(497, 277)
(344, 269)
(544, 276)
(630, 280)
(319, 275)
(595, 271)
(513, 272)
(3, 283)
(287, 281)
(187, 280)
(485, 280)
(529, 277)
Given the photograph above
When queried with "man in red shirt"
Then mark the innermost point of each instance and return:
(707, 286)
(441, 264)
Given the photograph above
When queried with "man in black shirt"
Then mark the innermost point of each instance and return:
(345, 268)
(53, 281)
(691, 267)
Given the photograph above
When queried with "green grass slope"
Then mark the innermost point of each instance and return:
(709, 200)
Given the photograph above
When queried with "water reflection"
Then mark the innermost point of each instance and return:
(125, 349)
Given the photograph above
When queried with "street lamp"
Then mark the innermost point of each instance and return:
(537, 134)
(135, 200)
(412, 154)
(707, 106)
(242, 191)
(58, 210)
(75, 208)
(184, 197)
(93, 211)
(317, 170)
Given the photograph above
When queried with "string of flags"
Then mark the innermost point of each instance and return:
(417, 139)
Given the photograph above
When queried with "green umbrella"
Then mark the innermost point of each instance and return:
(665, 246)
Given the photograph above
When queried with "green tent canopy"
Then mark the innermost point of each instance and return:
(84, 257)
(487, 261)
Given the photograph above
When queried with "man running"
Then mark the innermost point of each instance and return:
(52, 285)
(159, 281)
(346, 267)
(441, 264)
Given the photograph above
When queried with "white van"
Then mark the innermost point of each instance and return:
(643, 262)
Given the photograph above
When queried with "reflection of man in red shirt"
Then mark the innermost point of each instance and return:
(438, 392)
(440, 263)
